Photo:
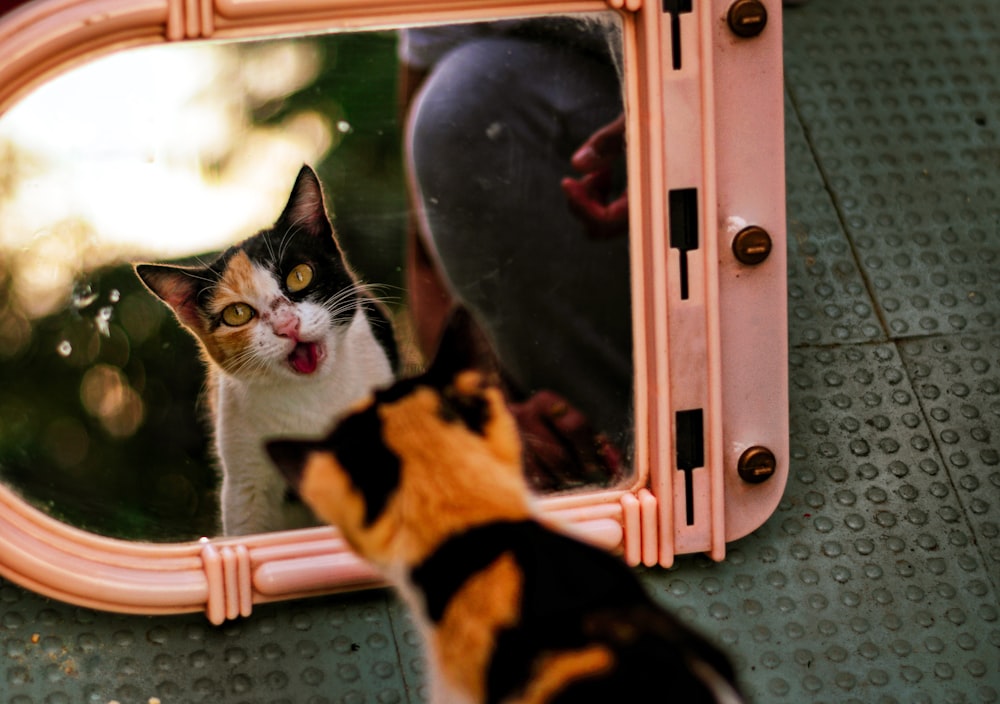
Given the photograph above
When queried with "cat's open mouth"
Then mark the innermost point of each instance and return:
(305, 357)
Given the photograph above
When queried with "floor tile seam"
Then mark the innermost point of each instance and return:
(896, 339)
(837, 208)
(979, 547)
(839, 345)
(397, 627)
(924, 414)
(891, 339)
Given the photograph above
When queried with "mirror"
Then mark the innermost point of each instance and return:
(710, 456)
(176, 152)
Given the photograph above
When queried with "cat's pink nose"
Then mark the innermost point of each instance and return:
(285, 324)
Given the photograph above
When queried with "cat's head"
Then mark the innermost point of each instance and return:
(423, 458)
(268, 304)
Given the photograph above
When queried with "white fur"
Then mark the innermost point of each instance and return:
(719, 686)
(271, 400)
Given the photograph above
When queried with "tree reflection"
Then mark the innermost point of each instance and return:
(102, 434)
(102, 419)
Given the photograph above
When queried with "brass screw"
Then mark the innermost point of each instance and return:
(747, 18)
(757, 464)
(752, 245)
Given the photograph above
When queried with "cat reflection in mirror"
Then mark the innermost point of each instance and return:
(424, 479)
(290, 340)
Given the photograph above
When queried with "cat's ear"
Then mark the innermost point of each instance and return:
(306, 209)
(463, 345)
(469, 398)
(176, 286)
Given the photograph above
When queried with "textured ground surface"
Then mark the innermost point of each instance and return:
(877, 578)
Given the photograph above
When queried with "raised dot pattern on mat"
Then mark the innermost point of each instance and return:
(867, 584)
(315, 652)
(958, 382)
(828, 301)
(903, 107)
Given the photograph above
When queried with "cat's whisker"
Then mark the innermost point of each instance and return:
(270, 247)
(283, 243)
(286, 238)
(208, 265)
(343, 301)
(375, 292)
(247, 363)
(337, 308)
(206, 279)
(379, 292)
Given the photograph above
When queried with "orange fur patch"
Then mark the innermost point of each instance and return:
(488, 602)
(501, 431)
(210, 348)
(556, 671)
(237, 279)
(328, 491)
(450, 478)
(469, 382)
(232, 343)
(237, 285)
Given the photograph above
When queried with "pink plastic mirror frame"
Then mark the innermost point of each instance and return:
(721, 348)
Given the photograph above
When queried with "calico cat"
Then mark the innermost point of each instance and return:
(424, 479)
(290, 340)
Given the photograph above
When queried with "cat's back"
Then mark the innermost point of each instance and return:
(586, 630)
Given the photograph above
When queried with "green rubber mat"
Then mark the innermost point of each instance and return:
(877, 578)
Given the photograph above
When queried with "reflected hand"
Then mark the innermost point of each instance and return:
(589, 196)
(561, 449)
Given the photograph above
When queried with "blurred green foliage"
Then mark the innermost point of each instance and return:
(363, 173)
(98, 416)
(102, 419)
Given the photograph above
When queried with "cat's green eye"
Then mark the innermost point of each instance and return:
(299, 277)
(236, 314)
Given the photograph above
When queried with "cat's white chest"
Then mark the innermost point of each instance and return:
(250, 414)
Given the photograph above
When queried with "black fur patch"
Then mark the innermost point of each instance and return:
(472, 410)
(399, 390)
(381, 327)
(283, 248)
(444, 572)
(550, 562)
(463, 345)
(373, 468)
(290, 457)
(574, 596)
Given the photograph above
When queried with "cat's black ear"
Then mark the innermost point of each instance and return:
(306, 209)
(290, 458)
(177, 286)
(463, 345)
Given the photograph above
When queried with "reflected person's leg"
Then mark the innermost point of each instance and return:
(491, 136)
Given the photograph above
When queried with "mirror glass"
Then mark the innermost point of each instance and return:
(481, 162)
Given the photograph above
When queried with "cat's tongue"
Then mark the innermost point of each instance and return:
(305, 357)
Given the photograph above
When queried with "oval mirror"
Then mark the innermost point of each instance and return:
(118, 414)
(122, 148)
